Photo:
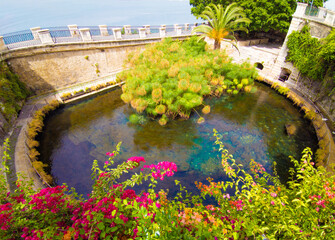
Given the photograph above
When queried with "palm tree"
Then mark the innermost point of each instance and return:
(222, 23)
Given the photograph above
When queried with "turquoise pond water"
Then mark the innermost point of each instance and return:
(252, 126)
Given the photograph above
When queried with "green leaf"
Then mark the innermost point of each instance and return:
(101, 226)
(113, 213)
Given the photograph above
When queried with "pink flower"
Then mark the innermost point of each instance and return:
(274, 194)
(136, 159)
(321, 203)
(106, 163)
(162, 169)
(272, 203)
(109, 154)
(317, 209)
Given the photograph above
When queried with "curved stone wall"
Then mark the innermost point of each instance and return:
(53, 67)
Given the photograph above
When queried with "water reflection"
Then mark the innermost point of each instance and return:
(252, 126)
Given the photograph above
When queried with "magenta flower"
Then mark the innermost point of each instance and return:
(109, 154)
(136, 159)
(273, 194)
(162, 169)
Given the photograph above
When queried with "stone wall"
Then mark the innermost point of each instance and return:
(320, 27)
(313, 91)
(51, 69)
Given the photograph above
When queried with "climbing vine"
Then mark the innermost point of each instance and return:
(314, 58)
(12, 92)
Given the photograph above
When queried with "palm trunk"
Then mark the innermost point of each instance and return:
(217, 44)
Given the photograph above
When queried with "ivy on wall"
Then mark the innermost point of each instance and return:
(314, 58)
(12, 92)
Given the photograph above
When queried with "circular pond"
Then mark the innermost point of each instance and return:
(252, 125)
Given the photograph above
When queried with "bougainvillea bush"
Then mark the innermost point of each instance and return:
(171, 78)
(262, 207)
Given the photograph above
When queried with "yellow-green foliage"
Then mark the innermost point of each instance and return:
(294, 98)
(163, 120)
(12, 92)
(177, 75)
(309, 114)
(39, 166)
(66, 96)
(321, 153)
(282, 90)
(31, 143)
(34, 128)
(206, 109)
(33, 154)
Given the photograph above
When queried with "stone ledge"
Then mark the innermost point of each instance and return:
(321, 131)
(79, 46)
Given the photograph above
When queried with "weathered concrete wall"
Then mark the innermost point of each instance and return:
(53, 67)
(320, 27)
(59, 67)
(314, 91)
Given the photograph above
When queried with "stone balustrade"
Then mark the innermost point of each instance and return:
(162, 31)
(147, 29)
(45, 37)
(117, 33)
(320, 14)
(103, 30)
(2, 44)
(73, 30)
(85, 34)
(127, 29)
(142, 32)
(73, 33)
(34, 31)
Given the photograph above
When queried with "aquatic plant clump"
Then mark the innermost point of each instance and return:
(171, 78)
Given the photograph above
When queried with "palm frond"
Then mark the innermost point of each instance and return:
(222, 22)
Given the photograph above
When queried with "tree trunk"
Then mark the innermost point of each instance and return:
(217, 44)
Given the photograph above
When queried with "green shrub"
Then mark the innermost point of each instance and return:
(314, 57)
(261, 206)
(173, 77)
(12, 92)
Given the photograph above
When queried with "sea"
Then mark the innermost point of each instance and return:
(18, 15)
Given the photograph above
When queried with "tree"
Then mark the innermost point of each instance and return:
(265, 15)
(222, 23)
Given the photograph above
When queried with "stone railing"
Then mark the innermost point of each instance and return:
(319, 14)
(74, 34)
